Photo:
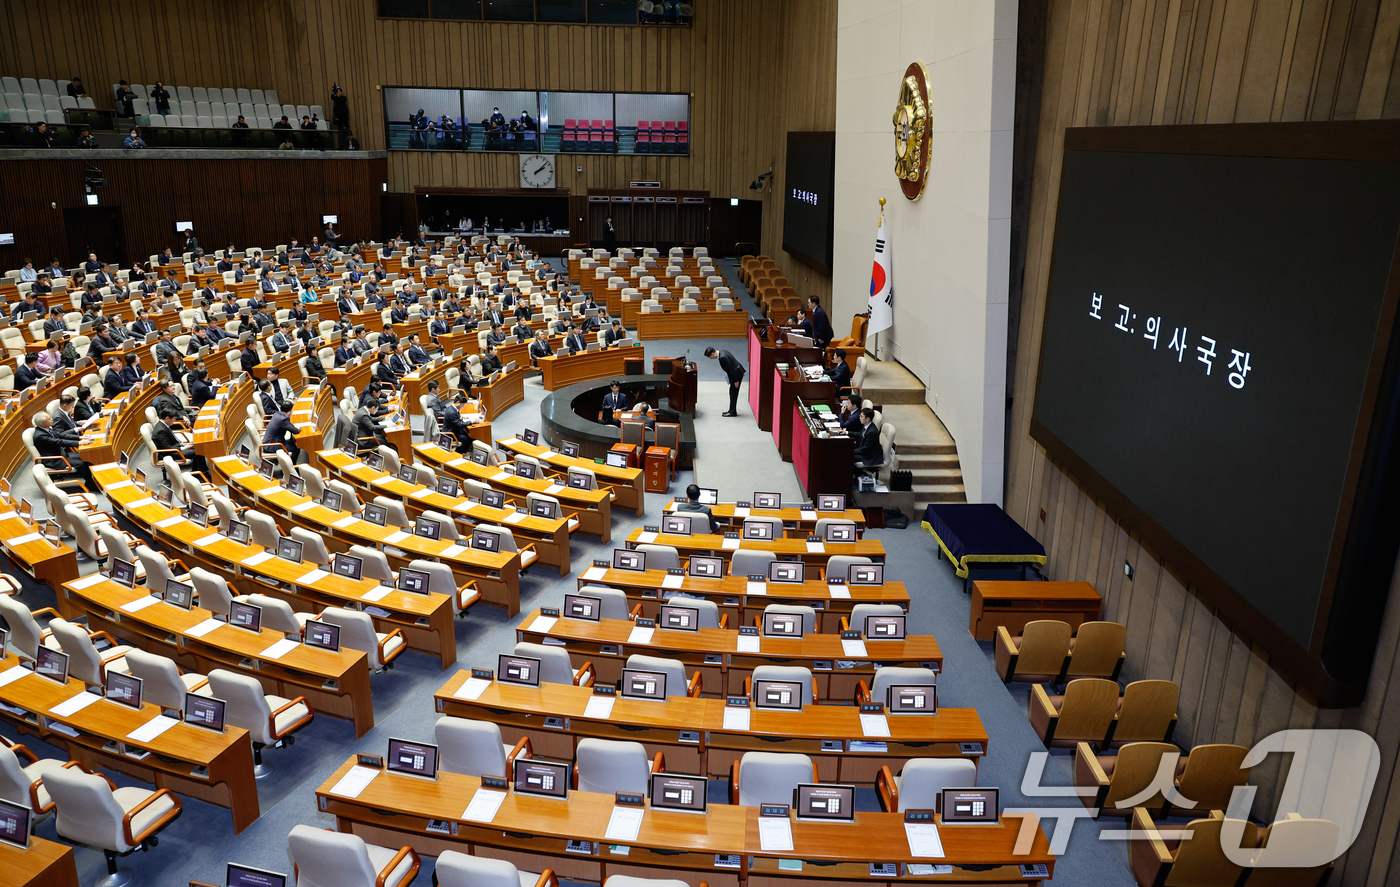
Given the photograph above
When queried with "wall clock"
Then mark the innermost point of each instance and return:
(536, 171)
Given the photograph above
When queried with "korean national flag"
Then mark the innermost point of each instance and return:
(881, 283)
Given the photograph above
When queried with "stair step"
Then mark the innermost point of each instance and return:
(915, 463)
(928, 476)
(925, 489)
(886, 396)
(916, 449)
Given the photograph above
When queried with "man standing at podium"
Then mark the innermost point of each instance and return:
(734, 371)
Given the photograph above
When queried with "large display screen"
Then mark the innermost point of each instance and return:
(1216, 335)
(807, 187)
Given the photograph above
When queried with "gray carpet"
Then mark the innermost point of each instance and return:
(201, 842)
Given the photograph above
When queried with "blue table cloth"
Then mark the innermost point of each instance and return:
(970, 534)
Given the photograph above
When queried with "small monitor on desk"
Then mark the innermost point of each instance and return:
(493, 498)
(51, 664)
(348, 566)
(289, 549)
(245, 615)
(866, 574)
(758, 530)
(530, 437)
(296, 484)
(568, 448)
(197, 513)
(375, 514)
(825, 803)
(707, 566)
(323, 635)
(787, 571)
(447, 486)
(408, 474)
(709, 496)
(331, 499)
(676, 524)
(770, 501)
(544, 508)
(123, 688)
(547, 779)
(785, 695)
(581, 606)
(412, 758)
(970, 806)
(15, 824)
(427, 528)
(240, 532)
(578, 480)
(266, 468)
(840, 533)
(615, 460)
(374, 460)
(518, 670)
(627, 559)
(350, 448)
(783, 625)
(480, 457)
(913, 699)
(414, 581)
(641, 684)
(123, 572)
(672, 792)
(678, 618)
(246, 876)
(181, 594)
(446, 442)
(204, 711)
(486, 540)
(525, 469)
(884, 628)
(831, 502)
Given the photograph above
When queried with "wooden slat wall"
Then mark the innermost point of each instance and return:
(1152, 62)
(753, 70)
(258, 202)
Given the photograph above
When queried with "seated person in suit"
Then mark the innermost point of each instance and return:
(540, 347)
(163, 436)
(28, 372)
(280, 430)
(574, 341)
(417, 354)
(692, 503)
(54, 323)
(387, 336)
(202, 388)
(522, 331)
(91, 296)
(364, 425)
(867, 437)
(54, 444)
(168, 400)
(120, 377)
(345, 351)
(249, 356)
(490, 361)
(454, 424)
(434, 400)
(281, 340)
(840, 372)
(615, 333)
(849, 416)
(383, 372)
(495, 336)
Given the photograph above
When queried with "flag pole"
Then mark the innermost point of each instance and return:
(879, 225)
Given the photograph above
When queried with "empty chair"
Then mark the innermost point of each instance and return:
(455, 869)
(358, 633)
(375, 564)
(775, 525)
(22, 777)
(861, 612)
(333, 859)
(474, 748)
(395, 515)
(613, 601)
(746, 562)
(840, 565)
(161, 681)
(315, 483)
(661, 557)
(530, 499)
(762, 777)
(791, 674)
(264, 529)
(1116, 778)
(1146, 713)
(1195, 858)
(673, 669)
(447, 525)
(1037, 655)
(269, 720)
(1208, 778)
(84, 662)
(277, 614)
(606, 766)
(213, 590)
(313, 546)
(555, 667)
(158, 571)
(90, 810)
(25, 634)
(708, 611)
(506, 542)
(1096, 651)
(1083, 714)
(887, 676)
(919, 784)
(442, 581)
(809, 615)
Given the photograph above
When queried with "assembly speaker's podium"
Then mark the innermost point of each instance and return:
(684, 383)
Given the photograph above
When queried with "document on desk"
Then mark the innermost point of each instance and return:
(646, 538)
(838, 592)
(673, 581)
(28, 537)
(730, 544)
(279, 649)
(472, 689)
(874, 725)
(396, 538)
(483, 805)
(736, 717)
(502, 475)
(376, 594)
(457, 463)
(599, 707)
(774, 834)
(12, 674)
(854, 649)
(116, 486)
(208, 540)
(203, 628)
(514, 517)
(142, 503)
(354, 782)
(816, 548)
(424, 493)
(74, 704)
(747, 643)
(756, 587)
(353, 466)
(593, 574)
(547, 454)
(923, 840)
(259, 558)
(275, 488)
(139, 604)
(554, 489)
(543, 623)
(152, 728)
(453, 550)
(510, 440)
(624, 824)
(170, 521)
(741, 512)
(313, 577)
(640, 635)
(88, 581)
(305, 506)
(345, 522)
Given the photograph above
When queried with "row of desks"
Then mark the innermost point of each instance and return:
(786, 549)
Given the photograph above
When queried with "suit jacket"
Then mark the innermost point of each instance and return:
(868, 448)
(576, 342)
(280, 430)
(398, 314)
(418, 354)
(365, 425)
(490, 363)
(437, 406)
(733, 370)
(51, 442)
(162, 351)
(440, 328)
(343, 355)
(64, 422)
(540, 348)
(611, 335)
(616, 402)
(248, 359)
(280, 343)
(269, 403)
(201, 392)
(821, 326)
(141, 328)
(701, 509)
(841, 374)
(25, 376)
(452, 422)
(116, 383)
(397, 365)
(164, 438)
(164, 401)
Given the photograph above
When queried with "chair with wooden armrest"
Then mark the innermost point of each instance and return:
(1146, 713)
(608, 766)
(1207, 777)
(807, 616)
(456, 869)
(794, 674)
(533, 497)
(707, 610)
(442, 581)
(23, 783)
(1287, 848)
(1122, 778)
(633, 881)
(474, 748)
(358, 633)
(1037, 655)
(1096, 651)
(90, 810)
(919, 784)
(1191, 856)
(674, 670)
(269, 720)
(1083, 714)
(160, 568)
(54, 464)
(507, 543)
(887, 676)
(768, 777)
(26, 635)
(324, 858)
(84, 662)
(862, 612)
(612, 602)
(555, 665)
(162, 682)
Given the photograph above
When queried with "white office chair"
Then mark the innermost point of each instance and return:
(277, 614)
(25, 633)
(157, 567)
(313, 546)
(474, 748)
(84, 662)
(809, 615)
(263, 529)
(213, 590)
(441, 581)
(162, 683)
(506, 542)
(375, 566)
(839, 565)
(632, 881)
(861, 612)
(768, 777)
(775, 524)
(613, 604)
(922, 780)
(661, 557)
(555, 666)
(674, 669)
(315, 483)
(608, 766)
(396, 515)
(23, 783)
(824, 522)
(747, 562)
(794, 674)
(269, 720)
(456, 869)
(533, 497)
(333, 859)
(887, 676)
(709, 615)
(90, 810)
(358, 633)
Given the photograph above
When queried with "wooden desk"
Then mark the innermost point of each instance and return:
(49, 562)
(625, 482)
(356, 376)
(560, 371)
(1013, 604)
(802, 521)
(714, 652)
(335, 684)
(788, 386)
(44, 864)
(521, 711)
(415, 384)
(592, 507)
(705, 543)
(692, 325)
(822, 464)
(394, 810)
(732, 596)
(763, 354)
(504, 393)
(175, 754)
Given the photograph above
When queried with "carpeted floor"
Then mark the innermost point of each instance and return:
(734, 456)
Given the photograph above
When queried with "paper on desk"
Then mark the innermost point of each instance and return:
(922, 869)
(624, 824)
(261, 557)
(395, 538)
(12, 674)
(838, 591)
(543, 623)
(203, 628)
(640, 635)
(514, 517)
(510, 440)
(774, 834)
(11, 515)
(736, 718)
(152, 728)
(87, 581)
(593, 574)
(141, 503)
(455, 463)
(139, 604)
(816, 548)
(741, 512)
(483, 806)
(672, 581)
(345, 522)
(472, 688)
(74, 704)
(421, 494)
(313, 577)
(730, 544)
(376, 594)
(553, 489)
(874, 725)
(352, 466)
(354, 782)
(28, 537)
(242, 474)
(599, 707)
(453, 550)
(305, 506)
(169, 521)
(275, 488)
(756, 587)
(208, 540)
(747, 643)
(279, 649)
(118, 485)
(854, 648)
(923, 840)
(547, 454)
(502, 475)
(646, 538)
